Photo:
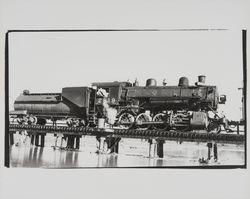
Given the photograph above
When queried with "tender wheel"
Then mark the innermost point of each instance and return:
(75, 122)
(41, 121)
(12, 120)
(143, 117)
(161, 117)
(214, 127)
(82, 122)
(72, 122)
(126, 118)
(22, 120)
(32, 119)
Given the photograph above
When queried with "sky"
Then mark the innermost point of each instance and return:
(49, 61)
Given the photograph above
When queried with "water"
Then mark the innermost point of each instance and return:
(132, 153)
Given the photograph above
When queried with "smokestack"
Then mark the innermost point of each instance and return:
(202, 79)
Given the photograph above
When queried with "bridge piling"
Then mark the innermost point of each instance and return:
(77, 138)
(11, 138)
(152, 148)
(42, 140)
(70, 141)
(159, 146)
(156, 148)
(113, 144)
(209, 147)
(32, 137)
(215, 152)
(101, 146)
(37, 140)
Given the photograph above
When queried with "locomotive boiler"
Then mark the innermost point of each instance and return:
(125, 105)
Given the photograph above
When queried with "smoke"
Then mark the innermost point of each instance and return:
(109, 112)
(102, 93)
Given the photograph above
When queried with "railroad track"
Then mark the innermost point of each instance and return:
(131, 133)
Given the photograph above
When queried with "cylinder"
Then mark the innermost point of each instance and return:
(199, 120)
(101, 123)
(151, 82)
(202, 79)
(183, 81)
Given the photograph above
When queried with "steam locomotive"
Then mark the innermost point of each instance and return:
(126, 105)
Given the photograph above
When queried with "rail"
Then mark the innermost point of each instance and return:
(193, 136)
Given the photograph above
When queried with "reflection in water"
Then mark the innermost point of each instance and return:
(132, 153)
(155, 162)
(62, 158)
(35, 154)
(109, 160)
(26, 156)
(71, 159)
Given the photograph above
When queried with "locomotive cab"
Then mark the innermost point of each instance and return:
(115, 90)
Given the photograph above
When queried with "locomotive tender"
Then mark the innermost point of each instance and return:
(126, 105)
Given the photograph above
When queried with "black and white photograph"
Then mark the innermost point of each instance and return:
(126, 98)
